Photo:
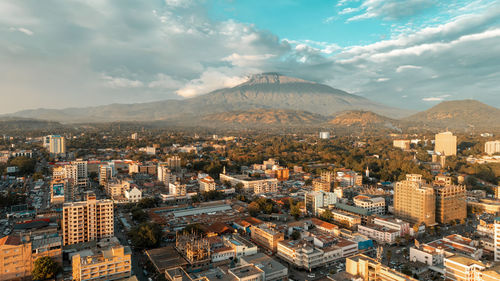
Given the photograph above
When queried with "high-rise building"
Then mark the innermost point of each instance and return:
(445, 144)
(57, 144)
(451, 201)
(174, 162)
(492, 147)
(315, 200)
(497, 239)
(207, 184)
(165, 175)
(87, 220)
(414, 200)
(324, 135)
(106, 172)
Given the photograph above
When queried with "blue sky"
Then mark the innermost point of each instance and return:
(404, 53)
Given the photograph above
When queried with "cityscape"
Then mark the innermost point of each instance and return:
(186, 140)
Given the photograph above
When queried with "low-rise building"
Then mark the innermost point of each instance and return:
(375, 205)
(273, 270)
(266, 236)
(381, 234)
(110, 263)
(367, 268)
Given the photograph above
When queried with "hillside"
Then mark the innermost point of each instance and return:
(266, 117)
(360, 118)
(262, 91)
(458, 115)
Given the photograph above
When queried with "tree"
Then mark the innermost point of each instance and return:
(295, 211)
(295, 235)
(139, 215)
(254, 209)
(146, 203)
(45, 268)
(146, 235)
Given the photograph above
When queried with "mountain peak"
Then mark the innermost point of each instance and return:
(273, 78)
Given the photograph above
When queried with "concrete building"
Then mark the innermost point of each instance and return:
(381, 234)
(345, 219)
(367, 268)
(174, 162)
(401, 226)
(207, 184)
(165, 175)
(497, 239)
(18, 254)
(315, 200)
(375, 205)
(451, 204)
(273, 270)
(266, 236)
(402, 144)
(110, 263)
(445, 144)
(492, 147)
(241, 246)
(56, 145)
(87, 220)
(255, 186)
(106, 172)
(177, 189)
(324, 135)
(58, 188)
(415, 201)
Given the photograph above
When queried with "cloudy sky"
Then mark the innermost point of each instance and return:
(404, 53)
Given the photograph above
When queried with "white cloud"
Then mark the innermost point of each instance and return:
(383, 79)
(407, 67)
(391, 9)
(163, 81)
(23, 30)
(120, 82)
(348, 10)
(211, 79)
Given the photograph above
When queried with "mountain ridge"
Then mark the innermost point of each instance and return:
(266, 91)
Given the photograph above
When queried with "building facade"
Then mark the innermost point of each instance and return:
(445, 144)
(415, 201)
(87, 220)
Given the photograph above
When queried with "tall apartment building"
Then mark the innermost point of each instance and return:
(87, 220)
(81, 167)
(492, 147)
(266, 236)
(451, 201)
(165, 175)
(56, 144)
(315, 200)
(375, 205)
(445, 144)
(106, 172)
(109, 263)
(496, 239)
(415, 201)
(174, 162)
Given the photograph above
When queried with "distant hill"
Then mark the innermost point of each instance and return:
(361, 118)
(266, 117)
(13, 123)
(458, 114)
(262, 91)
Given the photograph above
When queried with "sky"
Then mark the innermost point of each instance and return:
(404, 53)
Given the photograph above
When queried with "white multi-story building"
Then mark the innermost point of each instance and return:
(492, 147)
(315, 200)
(324, 135)
(379, 233)
(401, 226)
(497, 239)
(207, 184)
(165, 175)
(241, 246)
(374, 205)
(176, 189)
(256, 186)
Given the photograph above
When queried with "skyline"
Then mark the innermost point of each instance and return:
(86, 53)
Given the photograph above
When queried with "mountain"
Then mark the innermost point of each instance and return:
(361, 118)
(458, 114)
(266, 117)
(262, 91)
(14, 123)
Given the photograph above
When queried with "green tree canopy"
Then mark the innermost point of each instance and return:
(45, 268)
